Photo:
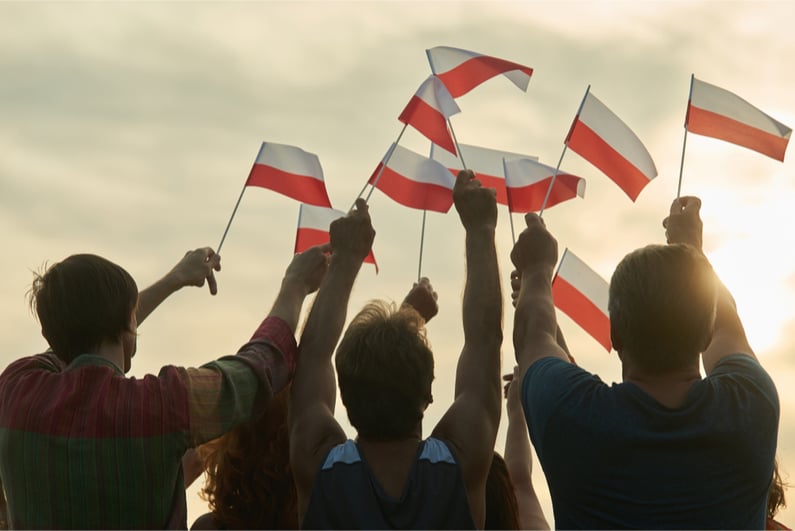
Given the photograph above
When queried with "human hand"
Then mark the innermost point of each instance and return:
(512, 389)
(309, 267)
(196, 267)
(683, 224)
(476, 206)
(536, 247)
(516, 285)
(423, 298)
(354, 234)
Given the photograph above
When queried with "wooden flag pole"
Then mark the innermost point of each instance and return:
(684, 142)
(218, 250)
(383, 166)
(422, 243)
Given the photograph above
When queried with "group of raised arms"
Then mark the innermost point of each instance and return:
(83, 446)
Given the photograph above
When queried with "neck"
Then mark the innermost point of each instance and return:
(669, 388)
(112, 351)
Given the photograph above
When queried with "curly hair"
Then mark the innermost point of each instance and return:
(249, 480)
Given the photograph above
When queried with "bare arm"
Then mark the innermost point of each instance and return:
(683, 225)
(423, 299)
(470, 424)
(313, 429)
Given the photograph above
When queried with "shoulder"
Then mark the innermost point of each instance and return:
(743, 372)
(436, 450)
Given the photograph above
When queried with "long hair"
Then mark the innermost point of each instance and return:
(775, 496)
(502, 509)
(249, 480)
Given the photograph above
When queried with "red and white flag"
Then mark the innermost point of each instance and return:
(528, 181)
(605, 141)
(462, 70)
(313, 229)
(414, 181)
(582, 294)
(428, 111)
(713, 111)
(290, 171)
(485, 162)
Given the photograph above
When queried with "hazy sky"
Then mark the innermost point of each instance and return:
(128, 129)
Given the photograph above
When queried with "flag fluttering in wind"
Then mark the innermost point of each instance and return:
(313, 229)
(428, 111)
(462, 70)
(414, 181)
(484, 162)
(718, 113)
(291, 171)
(527, 182)
(579, 292)
(600, 137)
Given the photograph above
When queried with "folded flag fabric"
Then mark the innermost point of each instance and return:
(313, 229)
(413, 180)
(600, 137)
(291, 171)
(718, 113)
(579, 292)
(484, 162)
(527, 182)
(462, 70)
(428, 111)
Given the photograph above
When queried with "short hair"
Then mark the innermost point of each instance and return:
(662, 305)
(385, 370)
(82, 301)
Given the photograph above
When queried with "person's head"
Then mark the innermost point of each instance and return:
(385, 370)
(662, 306)
(502, 509)
(83, 301)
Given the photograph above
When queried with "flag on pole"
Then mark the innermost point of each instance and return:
(428, 111)
(290, 171)
(414, 181)
(313, 229)
(579, 292)
(462, 70)
(527, 182)
(484, 162)
(713, 111)
(600, 137)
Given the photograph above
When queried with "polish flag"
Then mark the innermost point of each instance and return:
(528, 180)
(414, 181)
(713, 111)
(462, 70)
(582, 294)
(290, 171)
(428, 111)
(605, 141)
(313, 229)
(485, 162)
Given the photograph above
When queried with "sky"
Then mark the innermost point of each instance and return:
(128, 129)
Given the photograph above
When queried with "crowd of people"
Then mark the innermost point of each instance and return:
(83, 446)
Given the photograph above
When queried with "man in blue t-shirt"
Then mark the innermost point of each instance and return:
(665, 448)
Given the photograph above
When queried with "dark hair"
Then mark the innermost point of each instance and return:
(502, 509)
(385, 369)
(82, 301)
(662, 305)
(775, 496)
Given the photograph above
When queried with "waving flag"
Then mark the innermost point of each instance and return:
(414, 181)
(313, 229)
(428, 111)
(605, 141)
(290, 171)
(582, 294)
(713, 111)
(528, 180)
(462, 70)
(486, 163)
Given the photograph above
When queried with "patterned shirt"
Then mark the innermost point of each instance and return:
(82, 446)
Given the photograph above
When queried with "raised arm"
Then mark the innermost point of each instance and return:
(683, 225)
(470, 424)
(423, 299)
(313, 430)
(194, 268)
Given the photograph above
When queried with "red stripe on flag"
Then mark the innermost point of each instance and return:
(592, 147)
(414, 194)
(708, 123)
(475, 71)
(530, 198)
(428, 121)
(300, 187)
(585, 313)
(306, 238)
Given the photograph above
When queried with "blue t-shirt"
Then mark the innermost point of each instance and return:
(616, 458)
(346, 494)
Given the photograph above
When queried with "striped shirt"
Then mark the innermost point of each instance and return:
(82, 446)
